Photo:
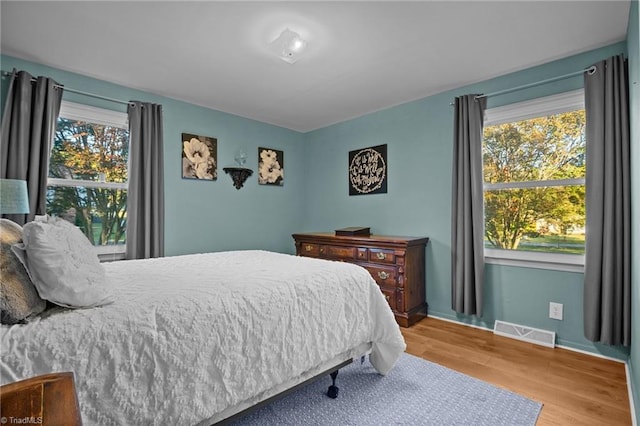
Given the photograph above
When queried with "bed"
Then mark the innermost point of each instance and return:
(196, 339)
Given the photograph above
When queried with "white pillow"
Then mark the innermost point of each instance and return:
(63, 264)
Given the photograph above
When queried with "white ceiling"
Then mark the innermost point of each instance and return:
(362, 56)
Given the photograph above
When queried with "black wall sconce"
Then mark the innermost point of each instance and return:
(239, 174)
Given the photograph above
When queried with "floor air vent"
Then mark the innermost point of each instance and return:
(528, 334)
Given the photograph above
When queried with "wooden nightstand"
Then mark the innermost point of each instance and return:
(396, 263)
(48, 400)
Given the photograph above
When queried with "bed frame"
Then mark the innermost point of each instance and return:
(332, 392)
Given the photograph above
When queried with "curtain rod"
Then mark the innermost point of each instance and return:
(80, 92)
(590, 70)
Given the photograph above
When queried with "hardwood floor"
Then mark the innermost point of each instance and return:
(575, 388)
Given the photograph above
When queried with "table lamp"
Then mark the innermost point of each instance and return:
(14, 198)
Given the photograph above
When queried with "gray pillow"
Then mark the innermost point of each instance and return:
(19, 299)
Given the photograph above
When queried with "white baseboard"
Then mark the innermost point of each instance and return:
(479, 327)
(632, 407)
(582, 351)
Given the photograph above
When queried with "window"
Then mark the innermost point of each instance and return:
(88, 173)
(534, 186)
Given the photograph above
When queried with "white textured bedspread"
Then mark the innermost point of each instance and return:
(190, 336)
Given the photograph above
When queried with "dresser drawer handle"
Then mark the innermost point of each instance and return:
(308, 247)
(383, 275)
(387, 297)
(380, 255)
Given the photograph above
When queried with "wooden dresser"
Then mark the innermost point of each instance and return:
(396, 263)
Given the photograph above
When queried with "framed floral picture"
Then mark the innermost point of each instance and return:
(199, 157)
(368, 170)
(270, 166)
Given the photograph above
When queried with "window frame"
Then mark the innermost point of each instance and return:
(107, 117)
(547, 105)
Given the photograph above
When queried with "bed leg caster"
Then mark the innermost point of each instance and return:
(333, 389)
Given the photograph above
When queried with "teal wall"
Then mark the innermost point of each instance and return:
(419, 142)
(209, 215)
(633, 46)
(214, 216)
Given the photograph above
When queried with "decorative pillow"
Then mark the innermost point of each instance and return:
(63, 264)
(19, 299)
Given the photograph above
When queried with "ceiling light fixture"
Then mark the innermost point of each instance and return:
(289, 46)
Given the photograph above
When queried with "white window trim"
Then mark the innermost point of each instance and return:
(87, 183)
(91, 114)
(110, 253)
(534, 184)
(548, 105)
(105, 117)
(533, 259)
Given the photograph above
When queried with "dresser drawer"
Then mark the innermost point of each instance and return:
(384, 275)
(382, 256)
(390, 295)
(338, 252)
(309, 249)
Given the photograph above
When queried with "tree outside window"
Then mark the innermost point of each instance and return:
(88, 178)
(534, 172)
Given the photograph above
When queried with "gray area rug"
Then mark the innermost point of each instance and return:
(415, 392)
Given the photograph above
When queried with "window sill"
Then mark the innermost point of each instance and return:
(531, 259)
(111, 253)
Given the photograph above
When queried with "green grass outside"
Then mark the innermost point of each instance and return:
(567, 244)
(97, 230)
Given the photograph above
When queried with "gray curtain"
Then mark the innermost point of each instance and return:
(145, 198)
(467, 219)
(28, 125)
(607, 281)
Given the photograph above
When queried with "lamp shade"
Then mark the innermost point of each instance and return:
(14, 198)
